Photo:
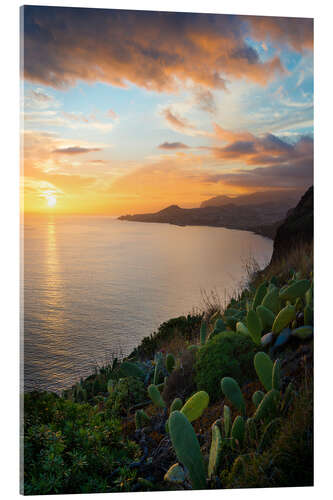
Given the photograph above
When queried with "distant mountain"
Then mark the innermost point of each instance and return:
(263, 217)
(290, 198)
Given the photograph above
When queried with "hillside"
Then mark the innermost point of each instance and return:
(213, 400)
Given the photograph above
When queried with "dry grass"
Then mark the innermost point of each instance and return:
(177, 344)
(300, 258)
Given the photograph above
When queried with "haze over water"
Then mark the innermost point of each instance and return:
(95, 285)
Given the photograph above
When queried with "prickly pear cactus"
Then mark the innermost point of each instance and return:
(295, 290)
(276, 375)
(231, 390)
(266, 317)
(257, 397)
(176, 405)
(284, 317)
(175, 474)
(303, 332)
(227, 420)
(268, 406)
(259, 295)
(215, 453)
(268, 434)
(158, 368)
(187, 448)
(264, 368)
(238, 430)
(254, 325)
(155, 396)
(243, 329)
(170, 362)
(271, 300)
(195, 405)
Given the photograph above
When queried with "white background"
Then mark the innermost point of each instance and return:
(321, 10)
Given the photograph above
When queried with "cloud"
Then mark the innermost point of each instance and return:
(181, 124)
(112, 114)
(75, 150)
(172, 145)
(294, 32)
(204, 99)
(39, 99)
(154, 50)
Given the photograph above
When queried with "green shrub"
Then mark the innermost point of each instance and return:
(228, 354)
(187, 326)
(127, 392)
(71, 447)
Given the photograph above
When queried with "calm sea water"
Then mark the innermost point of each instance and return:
(96, 285)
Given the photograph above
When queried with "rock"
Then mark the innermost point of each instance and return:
(297, 227)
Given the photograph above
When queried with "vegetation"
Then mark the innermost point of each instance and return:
(215, 400)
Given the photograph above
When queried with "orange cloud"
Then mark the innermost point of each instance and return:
(292, 31)
(154, 50)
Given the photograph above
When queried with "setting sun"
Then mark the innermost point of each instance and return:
(51, 200)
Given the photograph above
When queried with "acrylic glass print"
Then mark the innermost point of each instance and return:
(167, 251)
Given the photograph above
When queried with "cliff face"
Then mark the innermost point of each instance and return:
(297, 227)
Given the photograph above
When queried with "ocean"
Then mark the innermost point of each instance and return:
(95, 285)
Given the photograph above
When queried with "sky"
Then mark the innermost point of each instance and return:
(132, 111)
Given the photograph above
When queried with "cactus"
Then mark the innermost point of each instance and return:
(176, 404)
(267, 339)
(141, 419)
(187, 448)
(170, 362)
(295, 290)
(271, 300)
(268, 406)
(266, 317)
(251, 430)
(264, 368)
(287, 398)
(155, 396)
(226, 420)
(268, 434)
(257, 397)
(254, 325)
(284, 317)
(175, 474)
(309, 296)
(194, 407)
(238, 430)
(303, 332)
(219, 325)
(231, 390)
(203, 332)
(158, 367)
(193, 348)
(282, 338)
(215, 451)
(308, 315)
(299, 304)
(276, 375)
(241, 328)
(128, 369)
(259, 295)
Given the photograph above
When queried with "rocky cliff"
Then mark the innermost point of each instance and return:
(297, 227)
